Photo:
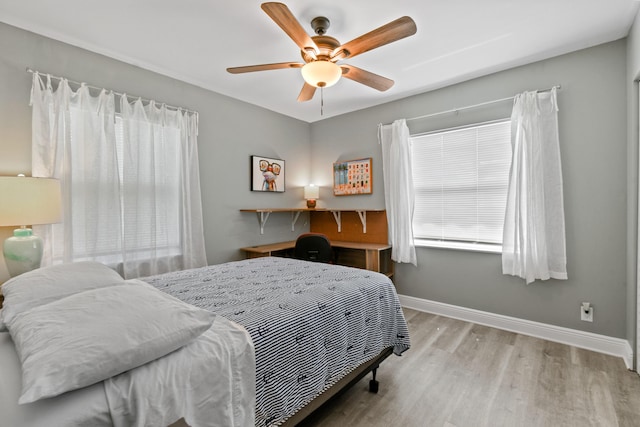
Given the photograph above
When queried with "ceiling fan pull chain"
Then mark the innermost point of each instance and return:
(321, 101)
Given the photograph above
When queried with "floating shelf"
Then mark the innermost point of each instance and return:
(263, 215)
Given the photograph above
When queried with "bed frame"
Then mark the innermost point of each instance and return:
(342, 385)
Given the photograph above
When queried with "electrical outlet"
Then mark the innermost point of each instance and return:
(586, 312)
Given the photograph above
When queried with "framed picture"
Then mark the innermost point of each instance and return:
(352, 177)
(267, 174)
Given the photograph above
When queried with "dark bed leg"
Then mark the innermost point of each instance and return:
(373, 384)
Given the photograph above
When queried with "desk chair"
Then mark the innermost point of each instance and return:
(313, 247)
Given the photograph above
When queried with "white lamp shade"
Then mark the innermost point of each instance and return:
(311, 192)
(29, 201)
(321, 73)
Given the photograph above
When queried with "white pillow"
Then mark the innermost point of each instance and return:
(48, 284)
(93, 335)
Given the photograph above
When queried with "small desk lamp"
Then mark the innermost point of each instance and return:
(311, 193)
(27, 201)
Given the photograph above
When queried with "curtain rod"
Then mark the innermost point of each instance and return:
(495, 101)
(29, 70)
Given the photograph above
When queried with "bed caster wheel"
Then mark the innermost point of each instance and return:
(373, 386)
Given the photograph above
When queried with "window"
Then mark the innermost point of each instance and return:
(461, 179)
(129, 176)
(146, 223)
(151, 209)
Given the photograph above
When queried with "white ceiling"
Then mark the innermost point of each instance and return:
(196, 40)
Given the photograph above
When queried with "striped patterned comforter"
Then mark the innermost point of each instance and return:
(311, 323)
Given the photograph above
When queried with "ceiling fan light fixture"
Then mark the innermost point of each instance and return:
(321, 73)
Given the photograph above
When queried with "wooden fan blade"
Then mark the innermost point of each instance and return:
(282, 16)
(366, 77)
(306, 93)
(264, 67)
(388, 33)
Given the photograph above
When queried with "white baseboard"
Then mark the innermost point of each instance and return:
(587, 340)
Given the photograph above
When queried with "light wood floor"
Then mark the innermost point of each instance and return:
(460, 374)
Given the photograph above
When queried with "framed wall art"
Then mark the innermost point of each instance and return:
(352, 177)
(267, 174)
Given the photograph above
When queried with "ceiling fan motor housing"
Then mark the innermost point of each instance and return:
(320, 25)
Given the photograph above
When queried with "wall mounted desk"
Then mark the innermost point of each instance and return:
(370, 256)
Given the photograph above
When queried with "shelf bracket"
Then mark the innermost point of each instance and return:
(363, 220)
(337, 215)
(263, 216)
(294, 219)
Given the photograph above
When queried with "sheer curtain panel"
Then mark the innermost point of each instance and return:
(162, 215)
(399, 195)
(534, 245)
(130, 182)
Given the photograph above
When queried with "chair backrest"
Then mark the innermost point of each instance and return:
(313, 247)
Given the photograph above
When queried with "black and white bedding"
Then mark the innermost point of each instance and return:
(77, 351)
(311, 324)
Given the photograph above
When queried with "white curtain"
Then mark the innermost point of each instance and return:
(130, 181)
(399, 195)
(534, 233)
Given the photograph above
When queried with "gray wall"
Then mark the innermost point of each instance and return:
(593, 132)
(230, 131)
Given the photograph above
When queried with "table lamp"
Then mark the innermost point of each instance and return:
(27, 201)
(311, 193)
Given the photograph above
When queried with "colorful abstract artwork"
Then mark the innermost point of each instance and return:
(352, 177)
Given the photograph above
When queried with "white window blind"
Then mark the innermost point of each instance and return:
(151, 210)
(460, 179)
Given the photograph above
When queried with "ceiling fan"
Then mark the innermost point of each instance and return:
(321, 52)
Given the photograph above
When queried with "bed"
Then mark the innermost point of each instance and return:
(313, 328)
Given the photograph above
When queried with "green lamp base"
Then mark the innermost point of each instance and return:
(22, 251)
